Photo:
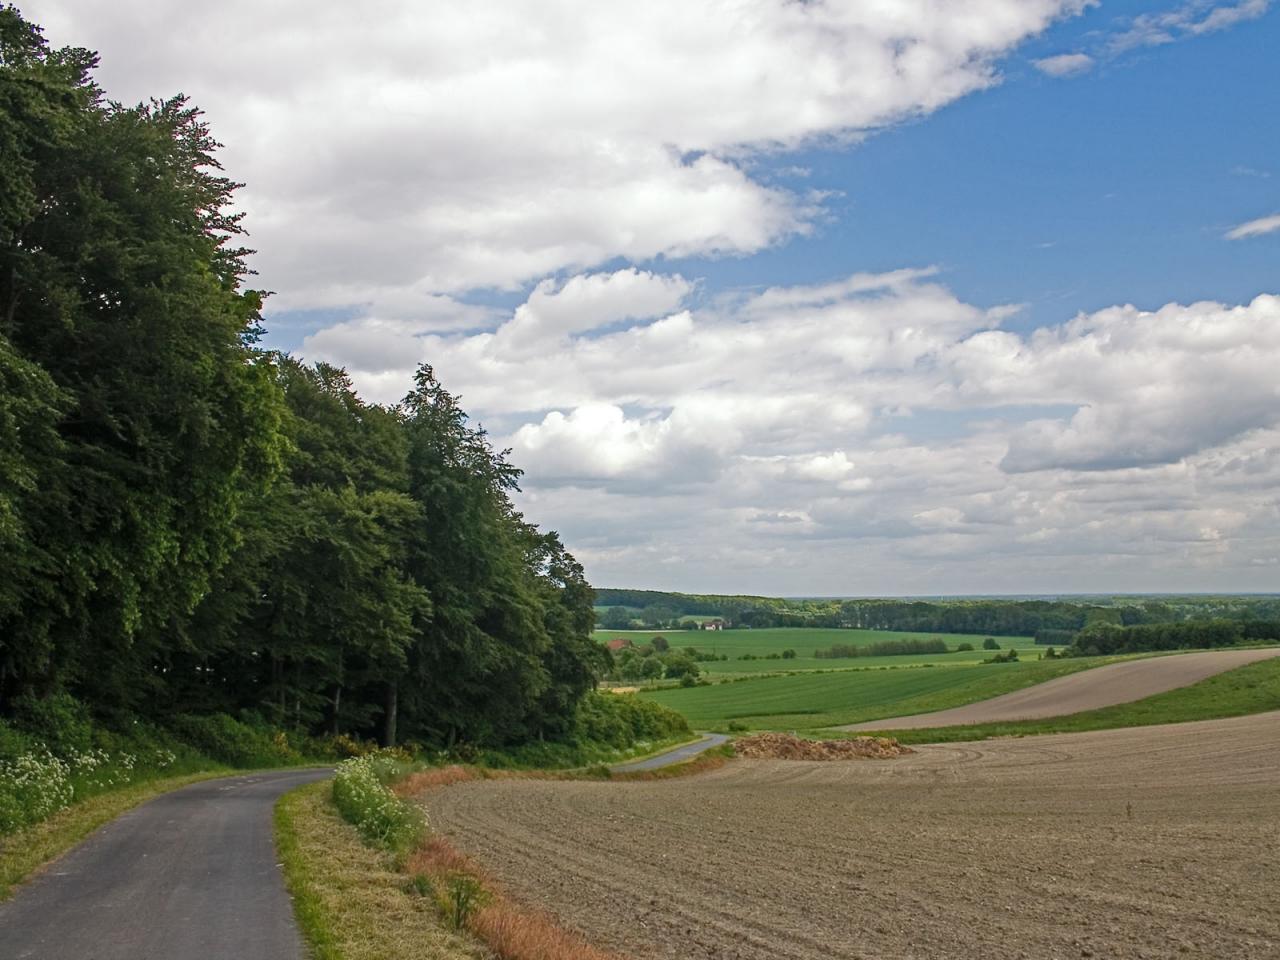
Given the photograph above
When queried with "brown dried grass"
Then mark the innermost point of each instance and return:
(511, 931)
(517, 934)
(416, 783)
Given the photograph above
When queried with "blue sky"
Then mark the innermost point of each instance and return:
(787, 298)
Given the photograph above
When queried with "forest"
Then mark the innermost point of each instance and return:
(191, 524)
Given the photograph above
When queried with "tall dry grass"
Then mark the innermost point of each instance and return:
(511, 930)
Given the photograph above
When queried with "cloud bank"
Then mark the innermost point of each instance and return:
(432, 149)
(801, 432)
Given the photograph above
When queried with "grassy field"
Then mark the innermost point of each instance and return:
(809, 701)
(804, 641)
(1245, 690)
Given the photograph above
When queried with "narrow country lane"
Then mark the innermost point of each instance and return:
(191, 875)
(677, 755)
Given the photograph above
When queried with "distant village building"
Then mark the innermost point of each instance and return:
(716, 624)
(618, 643)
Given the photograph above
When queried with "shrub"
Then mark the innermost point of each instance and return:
(237, 743)
(990, 644)
(60, 721)
(363, 799)
(620, 720)
(964, 647)
(884, 648)
(463, 895)
(32, 787)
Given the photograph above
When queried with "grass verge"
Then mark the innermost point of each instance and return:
(350, 900)
(26, 850)
(1250, 689)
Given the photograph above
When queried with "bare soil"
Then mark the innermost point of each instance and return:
(784, 746)
(1150, 842)
(1088, 690)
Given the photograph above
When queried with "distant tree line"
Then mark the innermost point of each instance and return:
(883, 648)
(192, 524)
(1104, 638)
(1050, 621)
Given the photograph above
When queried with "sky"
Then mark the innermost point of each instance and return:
(889, 297)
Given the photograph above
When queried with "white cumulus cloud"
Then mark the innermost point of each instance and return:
(1255, 228)
(455, 145)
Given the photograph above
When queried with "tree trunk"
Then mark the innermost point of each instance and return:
(337, 697)
(389, 719)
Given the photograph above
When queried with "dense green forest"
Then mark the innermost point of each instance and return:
(1051, 621)
(1108, 638)
(192, 524)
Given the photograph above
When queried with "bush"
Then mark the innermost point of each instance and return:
(363, 799)
(622, 720)
(61, 722)
(236, 743)
(32, 787)
(1009, 656)
(990, 644)
(964, 648)
(884, 648)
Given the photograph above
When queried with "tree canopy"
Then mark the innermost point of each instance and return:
(189, 522)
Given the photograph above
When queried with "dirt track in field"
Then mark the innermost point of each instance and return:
(1151, 842)
(1088, 690)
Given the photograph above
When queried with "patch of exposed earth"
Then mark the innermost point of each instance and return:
(1150, 842)
(1091, 689)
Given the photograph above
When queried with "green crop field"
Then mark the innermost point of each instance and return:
(809, 701)
(1250, 689)
(804, 641)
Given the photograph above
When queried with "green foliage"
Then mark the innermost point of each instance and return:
(1108, 638)
(462, 895)
(990, 644)
(622, 720)
(61, 722)
(885, 648)
(362, 797)
(236, 743)
(193, 527)
(965, 647)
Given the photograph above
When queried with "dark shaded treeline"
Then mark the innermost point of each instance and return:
(189, 523)
(1054, 620)
(1107, 638)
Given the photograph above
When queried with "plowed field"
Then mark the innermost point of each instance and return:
(1149, 842)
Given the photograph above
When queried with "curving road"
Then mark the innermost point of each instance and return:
(678, 755)
(1092, 689)
(191, 875)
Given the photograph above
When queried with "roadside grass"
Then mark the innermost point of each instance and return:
(704, 762)
(804, 641)
(351, 901)
(28, 849)
(368, 881)
(1254, 688)
(814, 701)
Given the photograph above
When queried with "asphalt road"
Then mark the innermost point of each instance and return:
(678, 755)
(1087, 690)
(191, 875)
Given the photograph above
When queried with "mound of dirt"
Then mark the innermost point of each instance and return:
(782, 746)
